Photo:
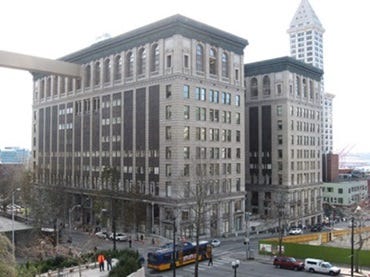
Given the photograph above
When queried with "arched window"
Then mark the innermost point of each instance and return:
(141, 62)
(154, 58)
(97, 73)
(200, 58)
(117, 68)
(107, 69)
(266, 85)
(254, 87)
(129, 64)
(87, 76)
(212, 61)
(311, 89)
(297, 86)
(304, 84)
(225, 65)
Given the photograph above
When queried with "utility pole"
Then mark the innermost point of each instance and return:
(247, 239)
(174, 248)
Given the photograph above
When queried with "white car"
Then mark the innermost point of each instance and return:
(102, 234)
(119, 236)
(215, 242)
(295, 231)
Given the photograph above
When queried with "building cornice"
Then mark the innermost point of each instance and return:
(282, 64)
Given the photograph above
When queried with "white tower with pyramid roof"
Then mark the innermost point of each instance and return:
(306, 36)
(306, 45)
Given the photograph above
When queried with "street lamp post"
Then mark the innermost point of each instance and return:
(13, 233)
(358, 210)
(352, 244)
(174, 248)
(235, 265)
(70, 221)
(247, 240)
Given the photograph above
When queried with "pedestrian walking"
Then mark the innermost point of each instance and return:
(210, 260)
(109, 262)
(101, 260)
(129, 243)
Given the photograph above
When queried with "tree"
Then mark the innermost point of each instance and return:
(7, 262)
(200, 202)
(111, 177)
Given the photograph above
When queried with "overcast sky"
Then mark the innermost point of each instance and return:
(52, 29)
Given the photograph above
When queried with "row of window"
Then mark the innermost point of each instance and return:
(201, 114)
(301, 88)
(212, 169)
(201, 134)
(214, 96)
(206, 153)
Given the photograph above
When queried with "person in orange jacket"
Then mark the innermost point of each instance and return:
(101, 260)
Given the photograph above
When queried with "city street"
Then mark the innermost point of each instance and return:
(230, 250)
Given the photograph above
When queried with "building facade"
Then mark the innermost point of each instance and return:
(14, 155)
(346, 193)
(306, 45)
(163, 107)
(283, 140)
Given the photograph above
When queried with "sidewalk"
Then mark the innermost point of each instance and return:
(92, 271)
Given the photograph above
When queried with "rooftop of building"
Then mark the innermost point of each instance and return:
(282, 64)
(176, 24)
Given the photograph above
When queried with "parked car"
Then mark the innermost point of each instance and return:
(320, 266)
(295, 231)
(316, 228)
(288, 262)
(215, 242)
(102, 234)
(119, 236)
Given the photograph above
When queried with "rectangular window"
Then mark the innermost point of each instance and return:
(186, 170)
(168, 132)
(280, 125)
(186, 112)
(237, 100)
(186, 133)
(237, 74)
(168, 91)
(169, 61)
(203, 94)
(237, 118)
(168, 189)
(279, 110)
(237, 136)
(280, 139)
(186, 61)
(168, 152)
(278, 88)
(186, 92)
(197, 93)
(168, 112)
(216, 96)
(168, 170)
(186, 152)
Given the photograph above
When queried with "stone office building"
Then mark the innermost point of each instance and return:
(163, 107)
(283, 140)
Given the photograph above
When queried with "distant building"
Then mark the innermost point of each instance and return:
(283, 150)
(346, 193)
(14, 155)
(330, 166)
